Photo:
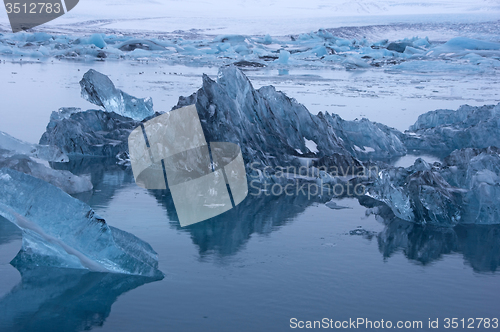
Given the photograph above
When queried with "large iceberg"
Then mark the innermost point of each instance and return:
(464, 189)
(61, 231)
(99, 90)
(271, 128)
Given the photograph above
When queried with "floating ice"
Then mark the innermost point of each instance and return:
(462, 44)
(70, 183)
(89, 133)
(443, 131)
(465, 189)
(269, 127)
(45, 152)
(61, 231)
(15, 154)
(315, 49)
(366, 139)
(99, 90)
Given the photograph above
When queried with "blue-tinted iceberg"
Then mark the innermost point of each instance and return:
(61, 231)
(45, 152)
(465, 189)
(418, 194)
(16, 154)
(67, 181)
(89, 133)
(99, 90)
(366, 139)
(271, 128)
(443, 131)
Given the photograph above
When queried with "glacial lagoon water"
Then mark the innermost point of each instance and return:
(271, 258)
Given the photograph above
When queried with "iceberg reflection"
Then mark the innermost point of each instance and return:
(226, 234)
(479, 244)
(52, 299)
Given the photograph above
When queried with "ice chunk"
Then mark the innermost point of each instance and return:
(45, 152)
(96, 39)
(89, 133)
(70, 183)
(399, 46)
(462, 44)
(61, 231)
(99, 90)
(284, 56)
(478, 172)
(418, 194)
(334, 206)
(142, 44)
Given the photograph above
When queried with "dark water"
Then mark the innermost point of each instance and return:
(257, 266)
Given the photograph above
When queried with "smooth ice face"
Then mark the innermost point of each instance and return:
(61, 231)
(99, 90)
(45, 152)
(70, 183)
(15, 154)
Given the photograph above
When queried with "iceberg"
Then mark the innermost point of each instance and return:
(16, 154)
(418, 194)
(45, 152)
(443, 131)
(464, 189)
(465, 45)
(61, 231)
(89, 133)
(67, 181)
(98, 89)
(271, 128)
(366, 139)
